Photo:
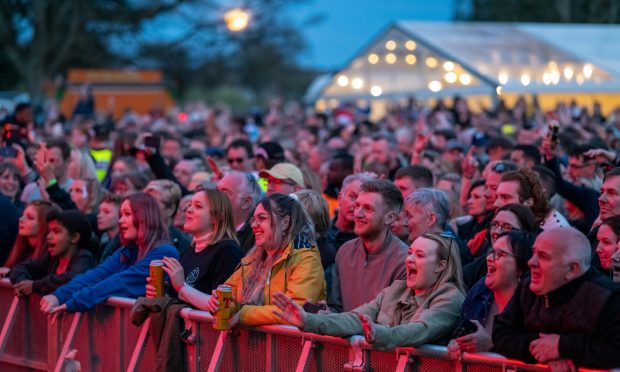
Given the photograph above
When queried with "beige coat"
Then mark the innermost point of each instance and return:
(402, 318)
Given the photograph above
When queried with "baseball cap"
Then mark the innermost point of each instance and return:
(285, 171)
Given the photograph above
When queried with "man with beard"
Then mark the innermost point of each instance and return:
(366, 265)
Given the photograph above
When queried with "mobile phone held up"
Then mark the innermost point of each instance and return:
(152, 142)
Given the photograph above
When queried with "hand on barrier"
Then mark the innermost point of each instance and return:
(289, 310)
(23, 288)
(173, 268)
(4, 271)
(454, 350)
(48, 303)
(545, 348)
(57, 312)
(368, 326)
(213, 304)
(562, 365)
(477, 341)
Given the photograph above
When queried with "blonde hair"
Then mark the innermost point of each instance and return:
(221, 214)
(316, 207)
(448, 250)
(86, 166)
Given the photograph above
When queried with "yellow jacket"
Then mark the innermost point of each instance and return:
(298, 273)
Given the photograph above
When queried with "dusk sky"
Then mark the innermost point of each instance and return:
(349, 24)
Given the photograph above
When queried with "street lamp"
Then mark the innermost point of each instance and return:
(237, 19)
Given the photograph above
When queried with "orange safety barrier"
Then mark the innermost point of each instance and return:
(106, 341)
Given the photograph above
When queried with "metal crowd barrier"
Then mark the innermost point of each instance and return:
(106, 341)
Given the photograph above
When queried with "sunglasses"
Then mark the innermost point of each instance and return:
(235, 160)
(500, 167)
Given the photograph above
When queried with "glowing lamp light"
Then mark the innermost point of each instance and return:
(434, 86)
(465, 79)
(525, 80)
(431, 62)
(547, 78)
(448, 66)
(342, 80)
(357, 83)
(237, 19)
(450, 77)
(410, 45)
(410, 59)
(182, 116)
(502, 78)
(555, 77)
(390, 58)
(588, 70)
(568, 73)
(376, 91)
(390, 45)
(499, 90)
(373, 58)
(580, 79)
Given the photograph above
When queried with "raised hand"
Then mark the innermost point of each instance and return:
(289, 310)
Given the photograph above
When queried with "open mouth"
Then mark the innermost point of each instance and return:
(491, 269)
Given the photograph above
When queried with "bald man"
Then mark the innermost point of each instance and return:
(568, 314)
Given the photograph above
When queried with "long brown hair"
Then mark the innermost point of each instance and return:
(22, 249)
(221, 214)
(148, 221)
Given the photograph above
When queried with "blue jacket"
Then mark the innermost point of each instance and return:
(112, 278)
(477, 306)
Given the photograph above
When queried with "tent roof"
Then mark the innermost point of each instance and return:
(520, 58)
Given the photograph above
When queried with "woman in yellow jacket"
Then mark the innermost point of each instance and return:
(285, 259)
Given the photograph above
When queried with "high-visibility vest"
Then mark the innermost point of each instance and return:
(102, 159)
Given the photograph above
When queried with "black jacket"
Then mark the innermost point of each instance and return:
(585, 313)
(42, 271)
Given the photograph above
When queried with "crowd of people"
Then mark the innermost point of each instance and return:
(495, 231)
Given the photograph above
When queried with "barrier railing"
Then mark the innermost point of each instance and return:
(106, 341)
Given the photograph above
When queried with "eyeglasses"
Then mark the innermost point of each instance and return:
(496, 254)
(258, 220)
(506, 227)
(235, 160)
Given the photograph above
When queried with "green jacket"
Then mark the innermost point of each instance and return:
(403, 319)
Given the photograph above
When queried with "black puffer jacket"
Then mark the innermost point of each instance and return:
(585, 313)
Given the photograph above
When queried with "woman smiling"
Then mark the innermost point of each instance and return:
(421, 309)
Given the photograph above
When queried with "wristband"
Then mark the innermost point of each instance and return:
(52, 182)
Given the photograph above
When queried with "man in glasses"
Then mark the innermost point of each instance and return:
(567, 314)
(582, 169)
(240, 156)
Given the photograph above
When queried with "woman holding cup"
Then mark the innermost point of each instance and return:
(215, 253)
(284, 259)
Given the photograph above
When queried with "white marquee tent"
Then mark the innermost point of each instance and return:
(441, 59)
